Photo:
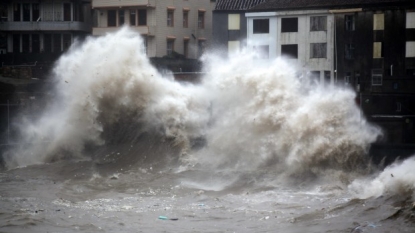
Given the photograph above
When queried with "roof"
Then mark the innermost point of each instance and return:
(236, 5)
(299, 4)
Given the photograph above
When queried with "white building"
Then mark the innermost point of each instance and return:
(183, 26)
(304, 36)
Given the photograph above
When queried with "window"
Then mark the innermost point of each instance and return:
(35, 43)
(201, 47)
(377, 77)
(112, 18)
(201, 19)
(16, 43)
(263, 51)
(170, 18)
(25, 43)
(410, 49)
(35, 12)
(290, 50)
(142, 17)
(170, 47)
(26, 11)
(349, 22)
(260, 26)
(186, 48)
(233, 46)
(347, 78)
(66, 41)
(66, 12)
(121, 18)
(133, 17)
(289, 24)
(327, 77)
(57, 43)
(378, 22)
(16, 12)
(318, 50)
(377, 50)
(349, 51)
(315, 74)
(410, 19)
(234, 22)
(318, 23)
(186, 19)
(47, 43)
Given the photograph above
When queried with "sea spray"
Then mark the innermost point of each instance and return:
(251, 112)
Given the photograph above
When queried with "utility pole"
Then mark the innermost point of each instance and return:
(8, 122)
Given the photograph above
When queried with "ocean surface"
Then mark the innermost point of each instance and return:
(253, 147)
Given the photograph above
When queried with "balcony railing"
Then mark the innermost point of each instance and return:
(45, 26)
(143, 30)
(123, 3)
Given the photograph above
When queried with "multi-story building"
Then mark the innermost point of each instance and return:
(299, 33)
(168, 26)
(368, 45)
(40, 30)
(229, 24)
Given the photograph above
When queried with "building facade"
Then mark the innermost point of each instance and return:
(35, 31)
(229, 24)
(369, 46)
(169, 27)
(304, 36)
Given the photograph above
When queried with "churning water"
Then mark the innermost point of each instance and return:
(253, 147)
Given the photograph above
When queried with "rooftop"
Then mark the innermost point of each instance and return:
(299, 4)
(236, 5)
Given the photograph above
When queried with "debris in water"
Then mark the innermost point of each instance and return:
(163, 217)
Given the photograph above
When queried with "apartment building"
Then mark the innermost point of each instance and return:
(304, 36)
(169, 27)
(229, 24)
(41, 30)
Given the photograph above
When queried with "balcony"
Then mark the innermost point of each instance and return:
(143, 30)
(45, 26)
(121, 3)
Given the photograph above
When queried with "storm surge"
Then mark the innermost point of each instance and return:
(249, 113)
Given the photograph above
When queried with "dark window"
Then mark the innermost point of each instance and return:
(315, 74)
(185, 19)
(170, 47)
(289, 24)
(318, 23)
(377, 77)
(186, 48)
(263, 51)
(57, 43)
(170, 18)
(112, 18)
(35, 12)
(201, 47)
(66, 12)
(35, 43)
(16, 43)
(327, 76)
(142, 17)
(16, 12)
(133, 17)
(47, 43)
(25, 43)
(121, 19)
(349, 51)
(349, 22)
(290, 50)
(318, 50)
(26, 11)
(410, 72)
(66, 41)
(201, 19)
(347, 77)
(260, 26)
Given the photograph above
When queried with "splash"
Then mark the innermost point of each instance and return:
(396, 179)
(252, 113)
